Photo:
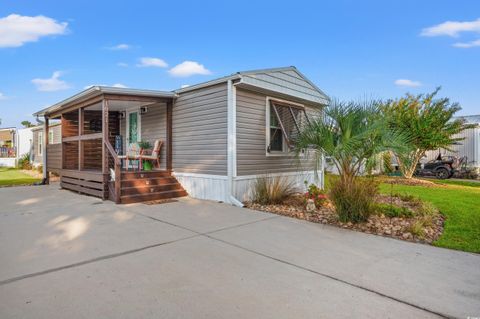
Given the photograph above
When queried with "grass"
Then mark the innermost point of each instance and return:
(457, 182)
(13, 177)
(459, 203)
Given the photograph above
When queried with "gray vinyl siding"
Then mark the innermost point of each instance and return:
(154, 127)
(251, 138)
(57, 138)
(200, 131)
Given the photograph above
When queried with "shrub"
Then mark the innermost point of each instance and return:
(427, 209)
(387, 163)
(39, 168)
(24, 162)
(354, 202)
(417, 229)
(272, 190)
(316, 194)
(393, 210)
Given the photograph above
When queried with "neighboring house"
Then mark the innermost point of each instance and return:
(8, 154)
(24, 142)
(54, 137)
(219, 137)
(469, 147)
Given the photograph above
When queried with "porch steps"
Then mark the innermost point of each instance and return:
(146, 186)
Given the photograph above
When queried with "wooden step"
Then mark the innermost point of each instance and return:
(150, 174)
(128, 199)
(139, 182)
(147, 189)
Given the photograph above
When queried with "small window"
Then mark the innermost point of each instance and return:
(50, 137)
(285, 122)
(40, 143)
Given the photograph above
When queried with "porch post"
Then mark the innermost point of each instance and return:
(80, 144)
(46, 176)
(169, 135)
(104, 136)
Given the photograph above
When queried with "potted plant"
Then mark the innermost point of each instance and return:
(145, 146)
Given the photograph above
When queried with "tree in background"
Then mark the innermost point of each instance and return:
(429, 123)
(27, 124)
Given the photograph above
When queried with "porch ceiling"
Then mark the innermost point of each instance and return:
(117, 106)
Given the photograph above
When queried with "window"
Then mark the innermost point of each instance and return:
(40, 143)
(284, 123)
(50, 137)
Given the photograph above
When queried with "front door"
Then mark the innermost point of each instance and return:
(133, 128)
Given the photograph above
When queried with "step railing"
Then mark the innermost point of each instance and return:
(114, 164)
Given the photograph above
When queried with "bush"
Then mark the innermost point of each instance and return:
(24, 162)
(393, 210)
(316, 194)
(39, 168)
(272, 190)
(387, 163)
(354, 202)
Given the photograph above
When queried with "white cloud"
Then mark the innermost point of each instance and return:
(116, 85)
(466, 45)
(51, 84)
(188, 68)
(121, 46)
(152, 62)
(184, 86)
(16, 30)
(122, 64)
(407, 83)
(2, 96)
(452, 28)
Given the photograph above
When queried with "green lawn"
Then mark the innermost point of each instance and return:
(459, 203)
(12, 177)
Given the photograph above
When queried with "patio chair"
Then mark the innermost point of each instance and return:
(155, 155)
(133, 154)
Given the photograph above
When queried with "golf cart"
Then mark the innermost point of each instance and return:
(442, 167)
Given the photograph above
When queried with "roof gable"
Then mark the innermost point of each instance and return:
(288, 81)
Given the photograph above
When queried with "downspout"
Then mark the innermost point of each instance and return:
(231, 144)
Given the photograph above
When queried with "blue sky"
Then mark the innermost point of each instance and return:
(50, 50)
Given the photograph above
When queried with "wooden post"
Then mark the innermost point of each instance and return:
(105, 136)
(80, 144)
(169, 135)
(45, 155)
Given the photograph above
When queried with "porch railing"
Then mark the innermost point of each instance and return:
(7, 151)
(114, 164)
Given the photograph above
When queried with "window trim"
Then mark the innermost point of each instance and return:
(40, 143)
(285, 151)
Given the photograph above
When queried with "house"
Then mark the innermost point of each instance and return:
(8, 152)
(219, 137)
(469, 146)
(54, 137)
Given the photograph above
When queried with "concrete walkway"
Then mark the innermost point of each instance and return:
(64, 255)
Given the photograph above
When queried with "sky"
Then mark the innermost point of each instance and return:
(50, 50)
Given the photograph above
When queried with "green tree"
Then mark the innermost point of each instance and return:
(352, 135)
(429, 123)
(27, 124)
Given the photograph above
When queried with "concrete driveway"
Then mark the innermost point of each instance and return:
(64, 255)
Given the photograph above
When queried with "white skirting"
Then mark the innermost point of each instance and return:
(203, 186)
(8, 162)
(214, 187)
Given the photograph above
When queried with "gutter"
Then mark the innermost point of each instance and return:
(231, 144)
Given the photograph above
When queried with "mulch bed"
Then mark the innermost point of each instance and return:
(395, 227)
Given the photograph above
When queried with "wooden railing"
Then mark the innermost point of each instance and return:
(115, 164)
(54, 157)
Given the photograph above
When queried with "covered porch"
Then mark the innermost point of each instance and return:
(100, 155)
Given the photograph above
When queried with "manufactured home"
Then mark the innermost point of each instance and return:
(211, 140)
(54, 137)
(469, 147)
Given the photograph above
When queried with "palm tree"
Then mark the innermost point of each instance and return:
(351, 134)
